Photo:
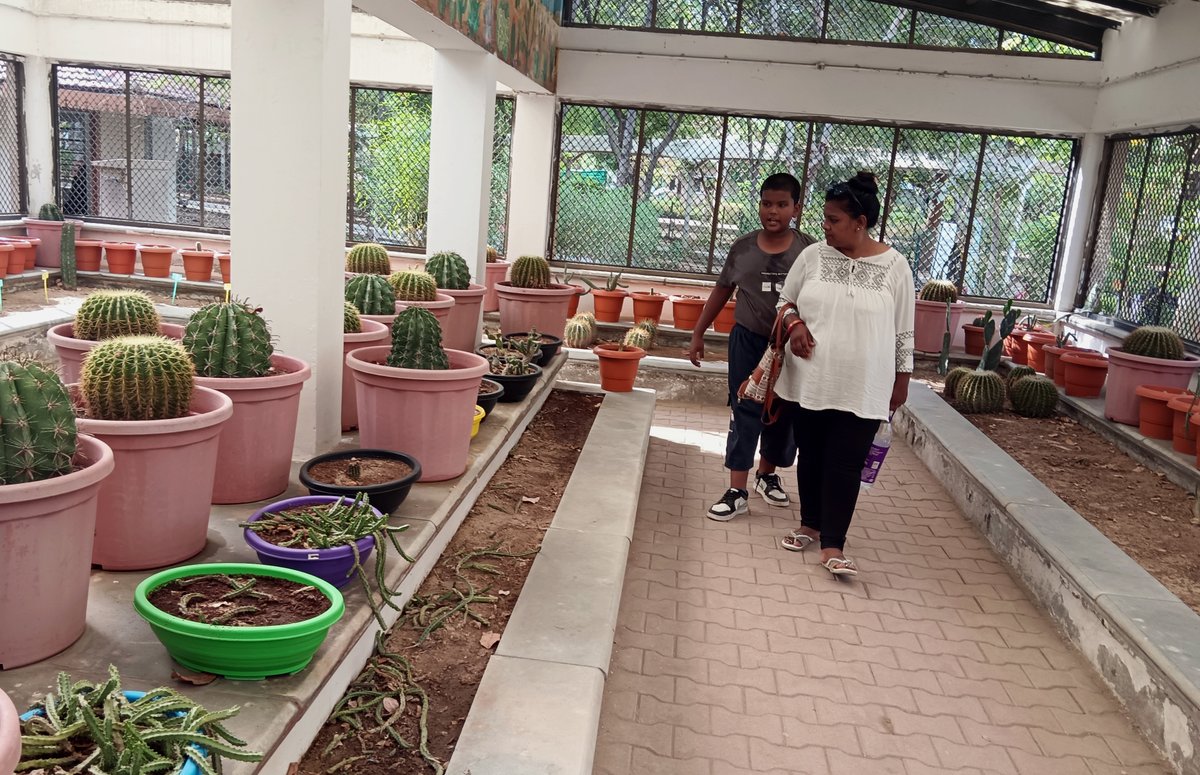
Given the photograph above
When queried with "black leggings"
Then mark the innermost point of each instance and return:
(832, 446)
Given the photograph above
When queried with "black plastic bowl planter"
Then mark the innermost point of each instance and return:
(490, 392)
(549, 348)
(385, 496)
(516, 387)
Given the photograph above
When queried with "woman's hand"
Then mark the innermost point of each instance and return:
(899, 391)
(801, 341)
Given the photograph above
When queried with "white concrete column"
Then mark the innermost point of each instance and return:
(291, 92)
(532, 176)
(460, 155)
(39, 133)
(1088, 188)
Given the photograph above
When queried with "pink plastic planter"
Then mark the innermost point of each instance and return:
(372, 334)
(50, 233)
(72, 351)
(440, 309)
(153, 510)
(930, 323)
(421, 412)
(461, 329)
(523, 309)
(254, 459)
(46, 531)
(1126, 372)
(493, 273)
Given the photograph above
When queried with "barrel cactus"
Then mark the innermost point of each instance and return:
(229, 340)
(493, 255)
(1154, 342)
(351, 322)
(1018, 373)
(578, 333)
(589, 318)
(368, 258)
(105, 314)
(939, 290)
(413, 285)
(37, 424)
(530, 272)
(651, 329)
(50, 212)
(637, 337)
(371, 294)
(952, 379)
(417, 341)
(980, 391)
(449, 270)
(137, 378)
(1034, 396)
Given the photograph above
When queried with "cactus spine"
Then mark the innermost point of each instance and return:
(137, 378)
(1018, 373)
(66, 257)
(651, 329)
(578, 332)
(939, 290)
(37, 424)
(1154, 342)
(530, 272)
(413, 285)
(1034, 396)
(449, 270)
(50, 212)
(980, 391)
(229, 340)
(372, 294)
(351, 322)
(952, 380)
(637, 337)
(105, 314)
(417, 341)
(368, 258)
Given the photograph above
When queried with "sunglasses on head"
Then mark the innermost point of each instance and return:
(839, 189)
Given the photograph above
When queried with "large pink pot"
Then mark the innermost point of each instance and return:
(372, 334)
(440, 308)
(10, 735)
(49, 252)
(929, 324)
(72, 351)
(422, 412)
(154, 509)
(1126, 372)
(493, 273)
(254, 459)
(523, 309)
(461, 329)
(46, 531)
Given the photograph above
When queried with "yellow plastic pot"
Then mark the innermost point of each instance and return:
(479, 413)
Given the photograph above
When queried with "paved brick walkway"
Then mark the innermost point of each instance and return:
(735, 656)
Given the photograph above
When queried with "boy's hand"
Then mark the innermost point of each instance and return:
(695, 350)
(801, 341)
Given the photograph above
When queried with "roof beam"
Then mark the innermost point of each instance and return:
(1030, 17)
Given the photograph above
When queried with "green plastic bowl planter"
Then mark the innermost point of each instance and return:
(239, 653)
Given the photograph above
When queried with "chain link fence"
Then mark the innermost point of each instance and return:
(506, 111)
(858, 21)
(984, 211)
(1145, 249)
(12, 148)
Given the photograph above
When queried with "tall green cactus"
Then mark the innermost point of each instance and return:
(449, 270)
(229, 340)
(1034, 396)
(939, 290)
(105, 314)
(66, 257)
(37, 424)
(137, 378)
(413, 285)
(417, 341)
(1154, 342)
(530, 272)
(980, 391)
(368, 258)
(351, 322)
(993, 352)
(372, 294)
(943, 364)
(50, 212)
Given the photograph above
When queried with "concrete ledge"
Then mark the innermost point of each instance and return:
(1135, 632)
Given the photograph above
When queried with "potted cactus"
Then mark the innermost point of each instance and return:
(417, 397)
(198, 263)
(528, 299)
(231, 346)
(930, 321)
(982, 389)
(136, 394)
(103, 315)
(494, 271)
(580, 331)
(1150, 355)
(156, 260)
(540, 347)
(47, 230)
(490, 393)
(383, 475)
(608, 300)
(373, 296)
(685, 311)
(648, 306)
(511, 365)
(461, 329)
(619, 363)
(356, 333)
(417, 288)
(368, 258)
(50, 480)
(121, 257)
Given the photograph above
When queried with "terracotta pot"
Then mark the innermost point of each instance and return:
(573, 306)
(156, 260)
(120, 256)
(493, 273)
(523, 309)
(1084, 373)
(618, 368)
(1155, 418)
(6, 254)
(1195, 429)
(153, 511)
(1184, 410)
(88, 254)
(685, 312)
(223, 262)
(31, 253)
(72, 351)
(440, 309)
(422, 412)
(972, 339)
(1014, 346)
(648, 305)
(461, 329)
(1126, 372)
(46, 557)
(608, 304)
(24, 253)
(1035, 341)
(254, 459)
(1052, 353)
(929, 323)
(372, 334)
(10, 735)
(198, 264)
(50, 233)
(725, 320)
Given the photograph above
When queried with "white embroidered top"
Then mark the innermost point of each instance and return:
(860, 313)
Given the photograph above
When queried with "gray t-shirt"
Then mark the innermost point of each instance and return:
(758, 277)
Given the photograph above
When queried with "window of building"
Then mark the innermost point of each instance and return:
(12, 145)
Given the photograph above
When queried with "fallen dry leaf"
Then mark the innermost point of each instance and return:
(489, 639)
(390, 704)
(195, 679)
(527, 499)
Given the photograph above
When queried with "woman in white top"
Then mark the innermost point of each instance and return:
(849, 323)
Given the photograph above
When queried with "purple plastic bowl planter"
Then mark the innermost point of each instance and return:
(335, 565)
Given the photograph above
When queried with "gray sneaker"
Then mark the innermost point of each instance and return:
(767, 485)
(732, 503)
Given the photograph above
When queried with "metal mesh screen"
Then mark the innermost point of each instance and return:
(12, 151)
(501, 167)
(1146, 249)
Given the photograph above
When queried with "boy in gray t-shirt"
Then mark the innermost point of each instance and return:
(756, 267)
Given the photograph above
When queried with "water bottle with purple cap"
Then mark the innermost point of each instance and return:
(879, 449)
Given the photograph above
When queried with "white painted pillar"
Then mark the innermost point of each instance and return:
(460, 155)
(39, 133)
(532, 177)
(291, 91)
(1088, 188)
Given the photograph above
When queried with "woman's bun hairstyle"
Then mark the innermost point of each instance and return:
(865, 181)
(865, 200)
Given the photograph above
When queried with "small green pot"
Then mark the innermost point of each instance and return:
(239, 653)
